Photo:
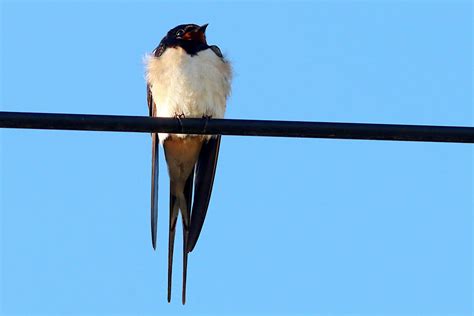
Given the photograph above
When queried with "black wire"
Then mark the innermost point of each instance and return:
(145, 124)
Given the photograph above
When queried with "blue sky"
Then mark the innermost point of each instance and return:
(307, 226)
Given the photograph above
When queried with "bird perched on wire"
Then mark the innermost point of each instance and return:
(186, 78)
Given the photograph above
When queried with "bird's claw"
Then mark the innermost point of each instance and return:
(179, 117)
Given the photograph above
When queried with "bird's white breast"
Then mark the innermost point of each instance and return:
(195, 86)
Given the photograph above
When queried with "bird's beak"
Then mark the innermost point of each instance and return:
(203, 27)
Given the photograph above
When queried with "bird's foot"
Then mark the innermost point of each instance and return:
(179, 117)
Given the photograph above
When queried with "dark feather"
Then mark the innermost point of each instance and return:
(174, 209)
(186, 218)
(160, 49)
(182, 202)
(204, 180)
(216, 50)
(154, 187)
(149, 99)
(154, 173)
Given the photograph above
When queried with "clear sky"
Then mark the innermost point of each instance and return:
(307, 226)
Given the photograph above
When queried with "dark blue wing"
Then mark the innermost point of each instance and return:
(154, 172)
(204, 180)
(217, 51)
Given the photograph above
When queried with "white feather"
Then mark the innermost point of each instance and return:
(191, 85)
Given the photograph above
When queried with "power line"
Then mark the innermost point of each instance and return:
(145, 124)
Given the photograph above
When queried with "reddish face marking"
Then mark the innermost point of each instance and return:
(197, 36)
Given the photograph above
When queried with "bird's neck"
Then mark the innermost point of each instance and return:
(192, 47)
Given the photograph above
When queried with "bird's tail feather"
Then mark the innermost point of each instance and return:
(186, 218)
(174, 209)
(154, 187)
(180, 201)
(205, 173)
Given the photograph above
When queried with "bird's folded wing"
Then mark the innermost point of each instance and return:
(204, 179)
(154, 172)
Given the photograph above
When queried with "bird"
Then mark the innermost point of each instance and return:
(186, 78)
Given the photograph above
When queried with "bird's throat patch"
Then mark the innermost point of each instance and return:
(195, 36)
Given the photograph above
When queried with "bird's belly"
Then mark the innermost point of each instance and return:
(189, 86)
(189, 98)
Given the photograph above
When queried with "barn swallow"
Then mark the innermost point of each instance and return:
(186, 78)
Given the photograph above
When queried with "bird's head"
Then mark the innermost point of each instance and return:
(190, 37)
(188, 33)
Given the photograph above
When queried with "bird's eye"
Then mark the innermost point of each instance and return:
(179, 33)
